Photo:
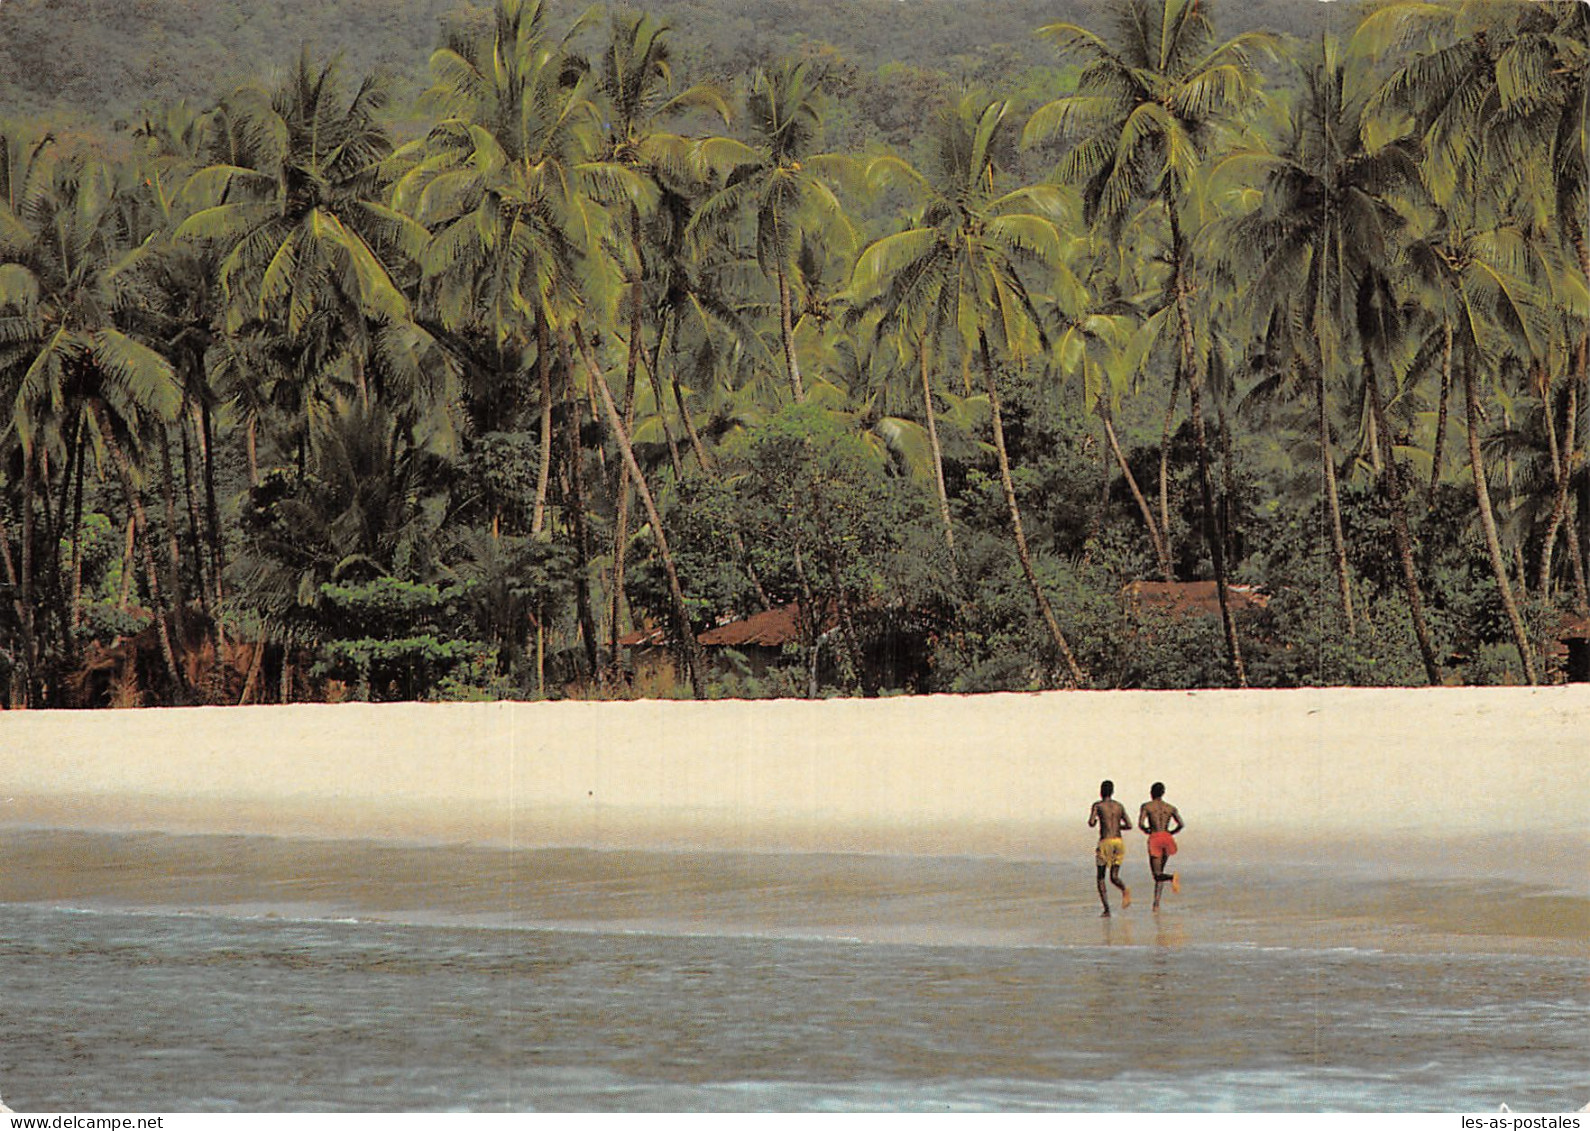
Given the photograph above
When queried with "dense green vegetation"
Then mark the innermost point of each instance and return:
(964, 337)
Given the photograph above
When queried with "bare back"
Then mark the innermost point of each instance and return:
(1110, 815)
(1157, 816)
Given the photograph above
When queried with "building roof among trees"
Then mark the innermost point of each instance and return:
(1192, 598)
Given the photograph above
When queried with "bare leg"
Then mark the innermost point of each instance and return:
(1115, 878)
(1103, 898)
(1156, 868)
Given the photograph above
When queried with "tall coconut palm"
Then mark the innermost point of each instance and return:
(1095, 346)
(309, 245)
(917, 349)
(1148, 103)
(515, 184)
(634, 88)
(960, 267)
(167, 293)
(1501, 93)
(1476, 280)
(781, 183)
(502, 182)
(1326, 221)
(65, 361)
(1566, 292)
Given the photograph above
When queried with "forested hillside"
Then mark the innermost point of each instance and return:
(93, 61)
(418, 350)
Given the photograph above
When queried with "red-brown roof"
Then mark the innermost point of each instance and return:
(1188, 598)
(771, 629)
(1573, 628)
(644, 638)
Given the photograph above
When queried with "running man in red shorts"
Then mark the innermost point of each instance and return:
(1160, 820)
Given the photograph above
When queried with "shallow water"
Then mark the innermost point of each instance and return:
(144, 971)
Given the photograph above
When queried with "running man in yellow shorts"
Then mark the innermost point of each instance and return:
(1109, 815)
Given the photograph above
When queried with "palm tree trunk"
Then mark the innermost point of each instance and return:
(938, 461)
(30, 646)
(621, 521)
(582, 532)
(1333, 504)
(18, 696)
(687, 638)
(168, 490)
(544, 468)
(77, 541)
(1493, 546)
(128, 565)
(213, 517)
(140, 524)
(251, 680)
(1228, 481)
(190, 497)
(1077, 677)
(65, 598)
(48, 595)
(541, 648)
(1164, 456)
(684, 412)
(1189, 366)
(1581, 592)
(73, 435)
(1560, 468)
(1446, 391)
(653, 364)
(1161, 551)
(786, 326)
(1391, 483)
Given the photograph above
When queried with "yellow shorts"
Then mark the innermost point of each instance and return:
(1110, 851)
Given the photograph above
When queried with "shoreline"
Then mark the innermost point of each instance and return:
(1231, 899)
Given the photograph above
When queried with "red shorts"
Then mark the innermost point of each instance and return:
(1161, 844)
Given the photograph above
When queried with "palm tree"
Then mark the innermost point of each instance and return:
(1475, 279)
(66, 362)
(694, 668)
(917, 348)
(1148, 103)
(308, 244)
(514, 181)
(1326, 221)
(959, 267)
(502, 181)
(634, 90)
(1380, 330)
(1096, 346)
(1502, 95)
(780, 182)
(166, 292)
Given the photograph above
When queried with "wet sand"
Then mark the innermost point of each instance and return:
(1457, 774)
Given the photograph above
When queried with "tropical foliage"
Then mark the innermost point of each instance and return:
(1182, 359)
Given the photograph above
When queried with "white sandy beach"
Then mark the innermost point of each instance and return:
(1000, 774)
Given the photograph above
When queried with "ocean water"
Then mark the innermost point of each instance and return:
(205, 973)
